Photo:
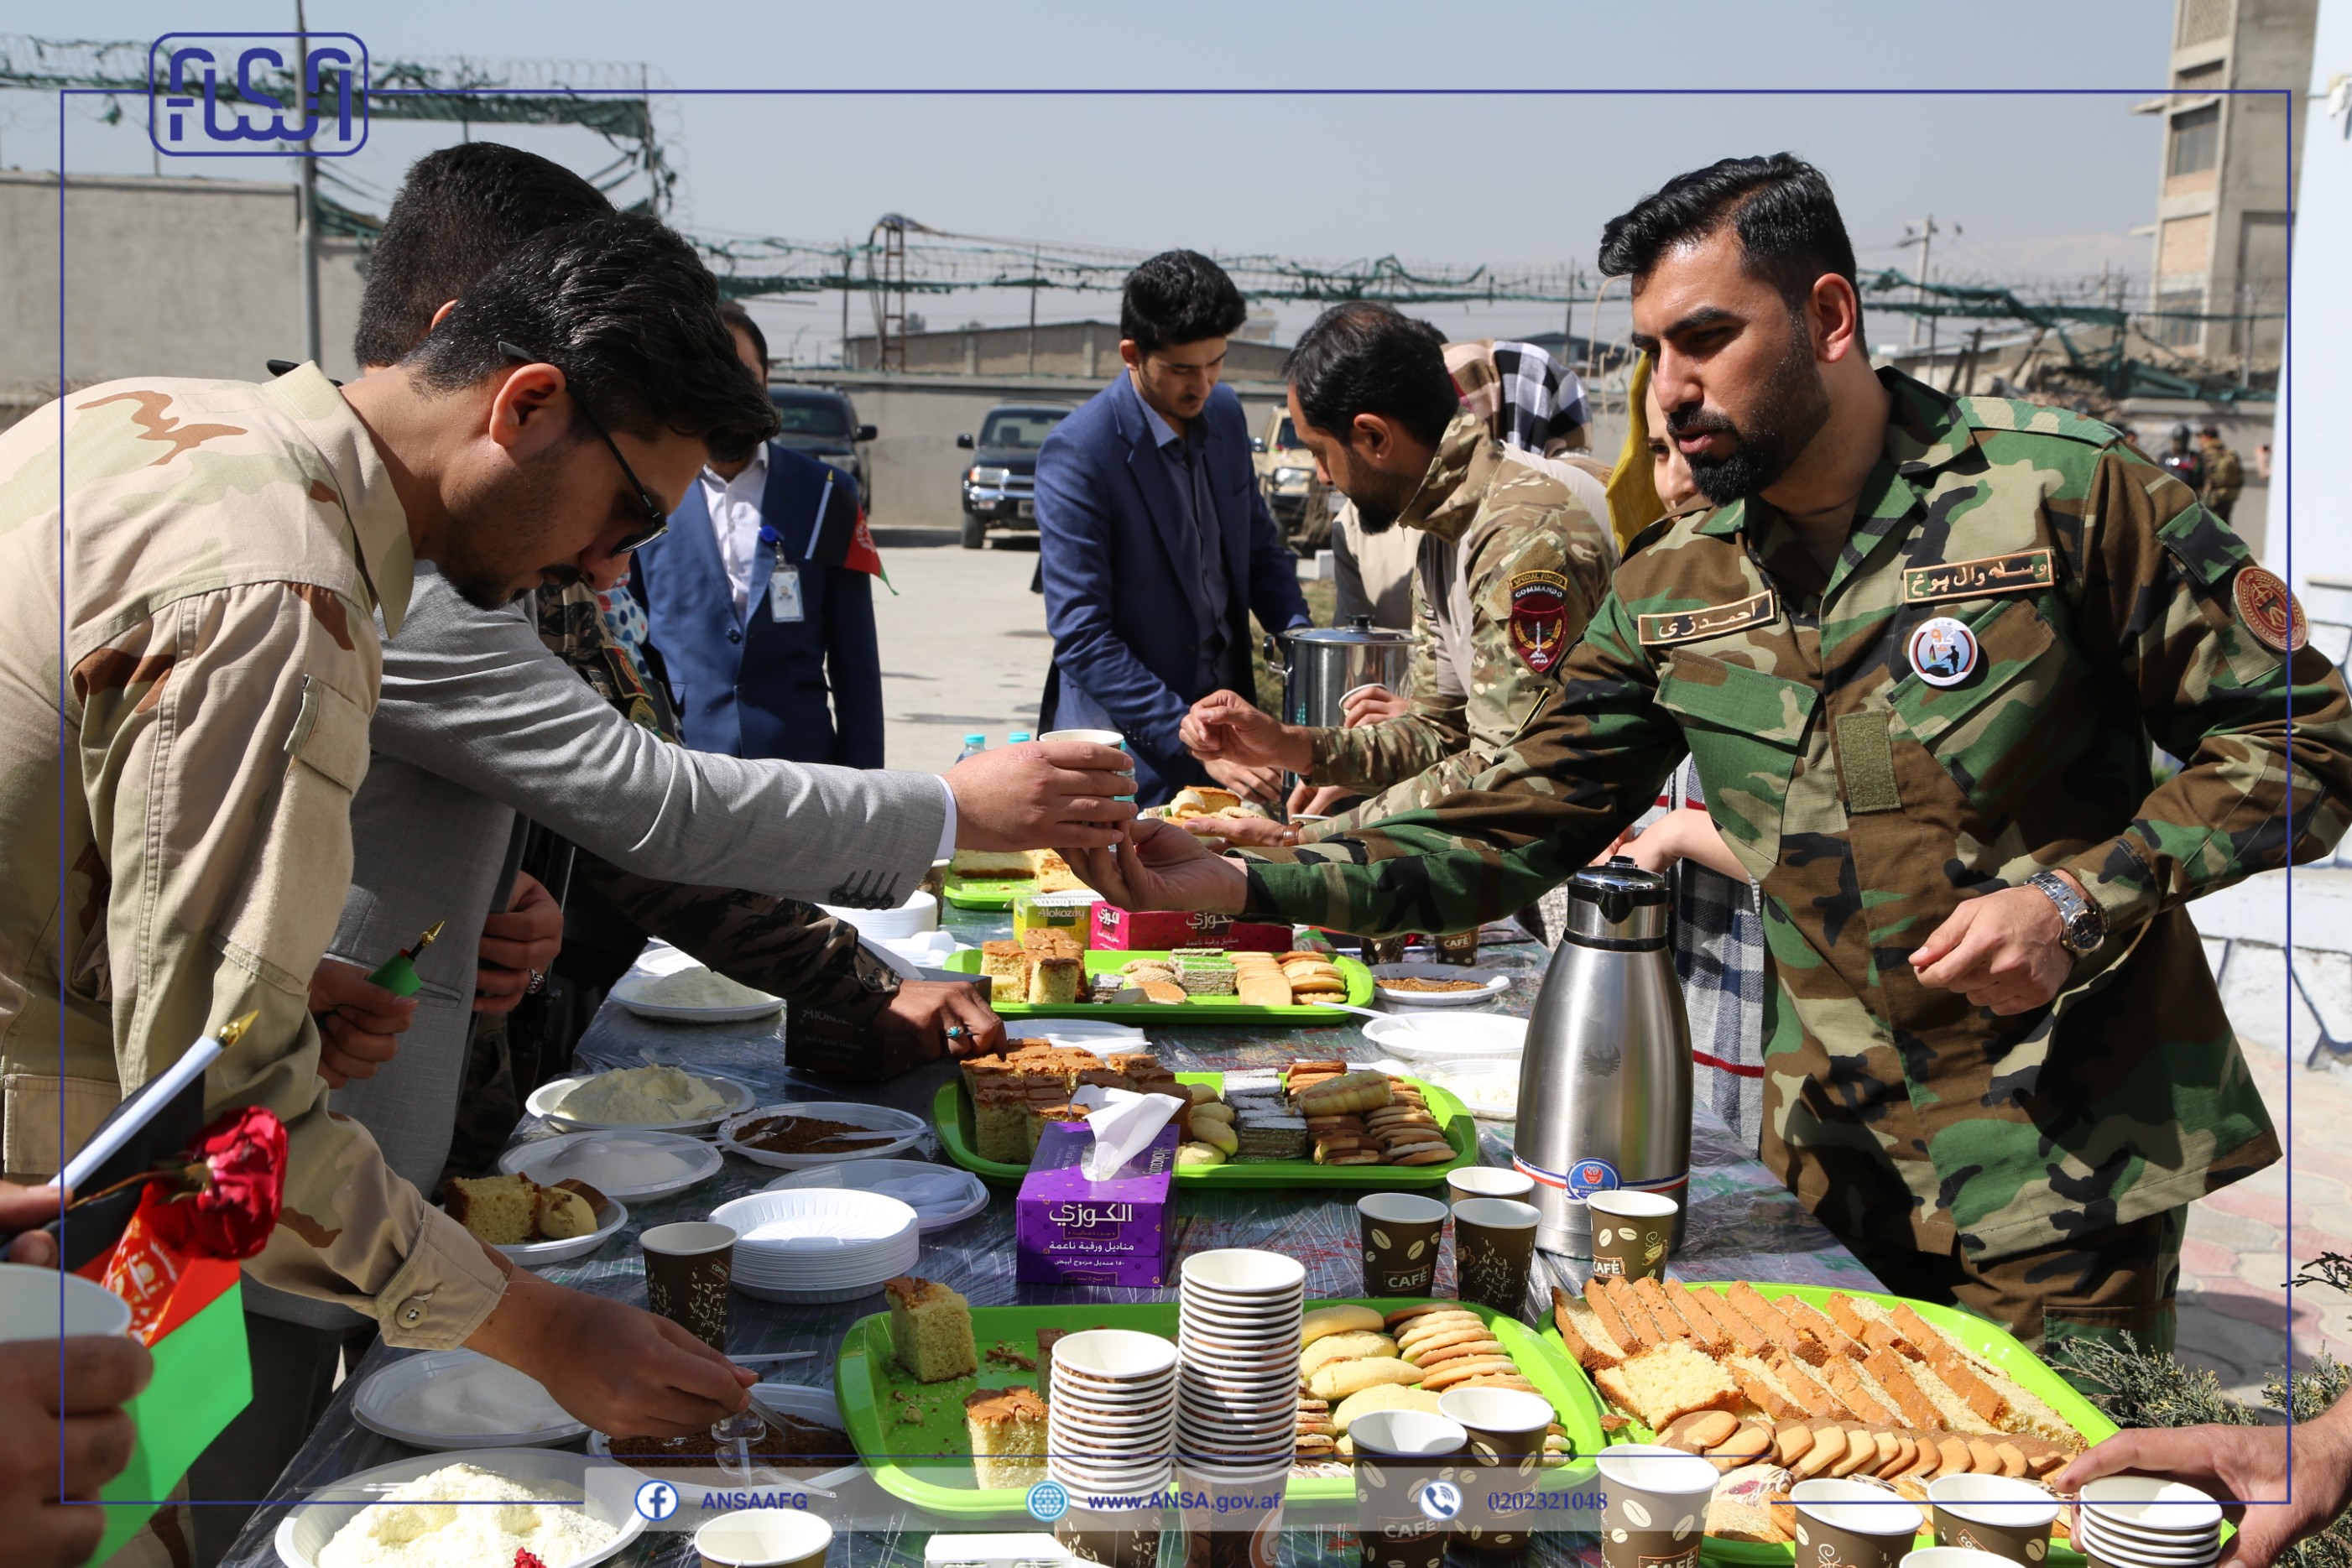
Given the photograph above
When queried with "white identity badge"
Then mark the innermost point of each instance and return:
(1943, 652)
(784, 592)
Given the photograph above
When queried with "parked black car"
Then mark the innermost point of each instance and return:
(1000, 487)
(822, 423)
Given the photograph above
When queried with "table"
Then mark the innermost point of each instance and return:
(1743, 1225)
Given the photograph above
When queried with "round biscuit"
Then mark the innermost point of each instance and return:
(1468, 1332)
(1461, 1371)
(1467, 1349)
(1436, 1156)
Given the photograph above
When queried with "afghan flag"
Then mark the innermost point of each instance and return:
(839, 537)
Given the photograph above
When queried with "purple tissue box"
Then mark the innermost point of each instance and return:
(1071, 1231)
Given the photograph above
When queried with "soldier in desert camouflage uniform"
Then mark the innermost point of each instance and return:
(1511, 567)
(224, 550)
(1991, 1089)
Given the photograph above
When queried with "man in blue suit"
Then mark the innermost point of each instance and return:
(1155, 544)
(754, 634)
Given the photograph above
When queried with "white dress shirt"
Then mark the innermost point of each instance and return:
(734, 505)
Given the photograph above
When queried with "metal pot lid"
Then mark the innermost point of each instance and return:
(1620, 881)
(1359, 629)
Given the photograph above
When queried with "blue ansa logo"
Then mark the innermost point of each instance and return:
(257, 95)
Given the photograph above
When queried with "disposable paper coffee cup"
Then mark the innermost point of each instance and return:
(1633, 1232)
(29, 1305)
(1489, 1181)
(1852, 1524)
(689, 1267)
(1505, 1432)
(1401, 1235)
(764, 1538)
(1957, 1557)
(1494, 1243)
(2009, 1519)
(1096, 736)
(1655, 1512)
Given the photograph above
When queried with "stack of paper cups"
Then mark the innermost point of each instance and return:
(1111, 1424)
(1238, 1317)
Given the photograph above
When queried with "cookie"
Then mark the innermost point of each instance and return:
(1432, 1360)
(1455, 1372)
(1325, 1321)
(1430, 1156)
(1342, 1378)
(1352, 1344)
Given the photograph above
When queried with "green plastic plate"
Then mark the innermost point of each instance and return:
(951, 1114)
(995, 892)
(1973, 1334)
(1199, 1009)
(911, 1435)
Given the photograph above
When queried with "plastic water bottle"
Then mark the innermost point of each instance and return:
(974, 744)
(1016, 738)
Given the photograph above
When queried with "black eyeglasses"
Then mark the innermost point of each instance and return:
(656, 520)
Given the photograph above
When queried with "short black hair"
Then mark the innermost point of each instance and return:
(1364, 357)
(459, 210)
(736, 318)
(1780, 206)
(2212, 430)
(626, 310)
(1179, 297)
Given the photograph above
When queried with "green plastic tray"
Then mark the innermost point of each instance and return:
(1973, 1334)
(1199, 1009)
(993, 892)
(951, 1115)
(897, 1451)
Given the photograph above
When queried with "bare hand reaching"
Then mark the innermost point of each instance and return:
(1262, 785)
(1258, 832)
(927, 1010)
(360, 1024)
(617, 1367)
(1370, 704)
(1225, 726)
(2248, 1464)
(519, 946)
(1041, 795)
(1163, 867)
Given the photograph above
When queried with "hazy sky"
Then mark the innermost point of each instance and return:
(2044, 179)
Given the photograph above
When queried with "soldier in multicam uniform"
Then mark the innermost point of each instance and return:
(218, 556)
(1997, 1065)
(1512, 564)
(2225, 475)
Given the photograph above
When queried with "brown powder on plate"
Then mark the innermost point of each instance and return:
(808, 1135)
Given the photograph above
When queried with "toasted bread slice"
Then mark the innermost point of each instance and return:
(1665, 1382)
(1809, 1391)
(1893, 1374)
(1847, 1384)
(1581, 1332)
(1778, 1330)
(1811, 1323)
(1744, 1337)
(1638, 1321)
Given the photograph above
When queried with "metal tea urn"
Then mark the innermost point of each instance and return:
(1317, 666)
(1605, 1085)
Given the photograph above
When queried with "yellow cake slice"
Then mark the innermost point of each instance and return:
(1008, 1437)
(930, 1330)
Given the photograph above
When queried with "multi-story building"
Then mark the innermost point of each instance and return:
(2226, 191)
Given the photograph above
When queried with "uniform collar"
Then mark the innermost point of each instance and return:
(1926, 431)
(1456, 480)
(362, 484)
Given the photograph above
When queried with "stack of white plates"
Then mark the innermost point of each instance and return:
(940, 1195)
(819, 1244)
(1487, 1086)
(2141, 1521)
(1112, 1417)
(1442, 1036)
(1238, 1327)
(920, 913)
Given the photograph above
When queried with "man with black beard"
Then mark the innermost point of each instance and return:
(1511, 565)
(1917, 649)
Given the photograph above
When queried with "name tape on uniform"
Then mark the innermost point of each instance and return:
(2019, 572)
(1689, 625)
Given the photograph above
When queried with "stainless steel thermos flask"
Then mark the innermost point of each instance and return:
(1605, 1085)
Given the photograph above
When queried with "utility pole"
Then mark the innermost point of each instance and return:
(844, 355)
(1036, 265)
(1927, 231)
(306, 224)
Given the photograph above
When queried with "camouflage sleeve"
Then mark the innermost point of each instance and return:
(221, 743)
(2264, 738)
(1507, 686)
(1588, 762)
(779, 945)
(1392, 751)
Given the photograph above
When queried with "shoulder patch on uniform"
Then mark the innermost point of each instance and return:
(1688, 625)
(1540, 619)
(2269, 610)
(2019, 572)
(2035, 419)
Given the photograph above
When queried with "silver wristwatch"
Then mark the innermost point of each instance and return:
(2081, 926)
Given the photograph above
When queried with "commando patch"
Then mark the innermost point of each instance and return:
(1540, 620)
(2019, 572)
(2269, 610)
(1689, 625)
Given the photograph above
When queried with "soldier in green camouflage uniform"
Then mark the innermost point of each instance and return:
(1511, 566)
(2022, 1138)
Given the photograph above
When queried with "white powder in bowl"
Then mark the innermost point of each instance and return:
(483, 1400)
(643, 1096)
(438, 1522)
(614, 1165)
(697, 987)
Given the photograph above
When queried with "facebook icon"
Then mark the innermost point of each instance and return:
(234, 95)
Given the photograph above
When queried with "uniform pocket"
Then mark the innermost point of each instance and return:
(280, 922)
(2001, 710)
(32, 1107)
(1747, 730)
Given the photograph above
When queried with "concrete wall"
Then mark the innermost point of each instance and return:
(1085, 349)
(916, 465)
(163, 277)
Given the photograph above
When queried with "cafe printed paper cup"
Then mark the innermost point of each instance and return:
(689, 1267)
(1852, 1524)
(764, 1538)
(1493, 1244)
(2008, 1518)
(1503, 1432)
(1630, 1232)
(1654, 1515)
(1487, 1181)
(1401, 1235)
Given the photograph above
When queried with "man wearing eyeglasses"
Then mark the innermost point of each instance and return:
(190, 577)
